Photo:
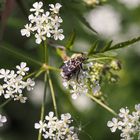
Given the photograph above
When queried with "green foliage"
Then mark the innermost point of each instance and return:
(70, 41)
(126, 92)
(93, 48)
(96, 48)
(84, 22)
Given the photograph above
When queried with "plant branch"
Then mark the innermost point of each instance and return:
(52, 94)
(99, 58)
(102, 104)
(43, 103)
(5, 103)
(46, 59)
(21, 55)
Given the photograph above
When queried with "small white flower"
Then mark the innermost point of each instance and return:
(55, 21)
(44, 24)
(114, 124)
(9, 94)
(39, 38)
(48, 134)
(66, 118)
(22, 69)
(27, 31)
(137, 107)
(46, 17)
(29, 84)
(3, 119)
(51, 117)
(56, 129)
(12, 75)
(41, 126)
(55, 8)
(14, 83)
(20, 98)
(37, 8)
(17, 88)
(1, 90)
(57, 34)
(123, 112)
(4, 74)
(129, 124)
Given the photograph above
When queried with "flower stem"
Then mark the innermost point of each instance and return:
(99, 58)
(47, 67)
(102, 104)
(5, 103)
(52, 94)
(43, 104)
(45, 88)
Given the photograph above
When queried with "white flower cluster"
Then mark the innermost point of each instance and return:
(55, 129)
(44, 24)
(86, 80)
(13, 82)
(3, 120)
(129, 124)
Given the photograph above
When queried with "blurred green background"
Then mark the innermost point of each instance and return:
(118, 20)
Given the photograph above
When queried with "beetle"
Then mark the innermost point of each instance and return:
(72, 66)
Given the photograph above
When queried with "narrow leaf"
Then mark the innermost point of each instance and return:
(18, 53)
(83, 21)
(93, 48)
(71, 40)
(124, 44)
(107, 46)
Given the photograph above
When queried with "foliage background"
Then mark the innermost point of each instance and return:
(92, 118)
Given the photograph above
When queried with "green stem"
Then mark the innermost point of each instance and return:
(100, 58)
(46, 59)
(21, 55)
(29, 75)
(38, 73)
(53, 68)
(102, 104)
(52, 94)
(43, 104)
(5, 103)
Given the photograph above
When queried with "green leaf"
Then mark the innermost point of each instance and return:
(124, 44)
(19, 54)
(83, 21)
(71, 40)
(107, 46)
(93, 48)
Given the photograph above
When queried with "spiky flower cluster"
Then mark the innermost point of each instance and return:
(89, 79)
(55, 129)
(13, 82)
(3, 120)
(128, 123)
(44, 24)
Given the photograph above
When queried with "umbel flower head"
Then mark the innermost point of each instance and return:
(81, 77)
(128, 123)
(57, 129)
(13, 82)
(44, 24)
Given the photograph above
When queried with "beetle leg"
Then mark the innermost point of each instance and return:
(77, 74)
